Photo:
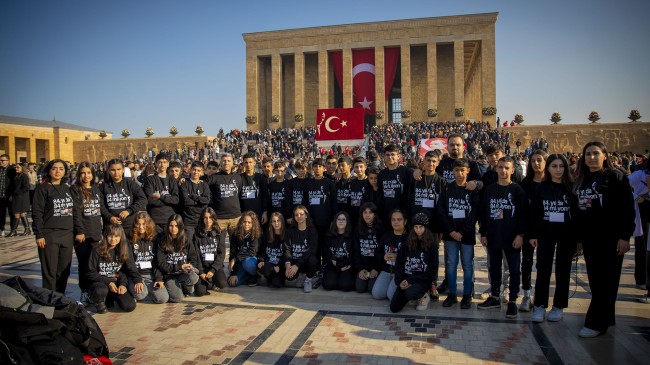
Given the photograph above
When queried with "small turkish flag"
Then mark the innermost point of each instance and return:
(339, 124)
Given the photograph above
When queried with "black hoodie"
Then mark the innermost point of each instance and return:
(366, 245)
(416, 265)
(87, 216)
(339, 248)
(300, 245)
(112, 271)
(169, 264)
(125, 195)
(194, 198)
(211, 251)
(225, 189)
(160, 209)
(52, 209)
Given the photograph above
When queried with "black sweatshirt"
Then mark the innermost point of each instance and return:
(606, 207)
(393, 189)
(300, 245)
(272, 252)
(87, 216)
(389, 243)
(552, 212)
(109, 271)
(278, 194)
(425, 197)
(416, 265)
(338, 248)
(170, 264)
(225, 189)
(254, 195)
(446, 170)
(320, 196)
(194, 198)
(144, 256)
(211, 251)
(343, 194)
(366, 245)
(125, 195)
(52, 209)
(358, 190)
(295, 193)
(503, 215)
(243, 248)
(458, 211)
(160, 209)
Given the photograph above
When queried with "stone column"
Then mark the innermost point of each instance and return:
(276, 88)
(459, 76)
(32, 150)
(405, 50)
(347, 78)
(252, 91)
(299, 88)
(380, 83)
(432, 76)
(488, 77)
(323, 78)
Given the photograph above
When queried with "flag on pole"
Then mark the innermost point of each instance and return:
(343, 126)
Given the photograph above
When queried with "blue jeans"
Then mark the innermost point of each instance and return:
(453, 248)
(246, 268)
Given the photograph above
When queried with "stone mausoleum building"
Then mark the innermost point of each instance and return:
(444, 63)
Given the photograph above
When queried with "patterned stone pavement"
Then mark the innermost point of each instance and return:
(265, 326)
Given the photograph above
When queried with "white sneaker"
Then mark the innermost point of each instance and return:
(588, 333)
(505, 296)
(423, 303)
(525, 305)
(555, 315)
(300, 280)
(307, 286)
(539, 314)
(645, 299)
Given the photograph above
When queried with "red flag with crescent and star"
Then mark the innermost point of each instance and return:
(339, 124)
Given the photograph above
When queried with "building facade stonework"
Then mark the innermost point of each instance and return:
(445, 63)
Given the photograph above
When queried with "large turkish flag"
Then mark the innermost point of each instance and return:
(341, 124)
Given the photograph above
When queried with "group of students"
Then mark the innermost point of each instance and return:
(167, 239)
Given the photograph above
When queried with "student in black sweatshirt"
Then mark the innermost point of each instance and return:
(502, 231)
(605, 223)
(53, 226)
(552, 231)
(244, 244)
(457, 213)
(300, 260)
(343, 181)
(366, 244)
(254, 195)
(225, 187)
(122, 197)
(176, 260)
(195, 196)
(389, 245)
(161, 191)
(359, 188)
(278, 191)
(337, 255)
(110, 268)
(394, 182)
(88, 204)
(212, 253)
(271, 254)
(416, 266)
(320, 196)
(296, 189)
(144, 251)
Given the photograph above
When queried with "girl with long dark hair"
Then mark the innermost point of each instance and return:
(176, 260)
(110, 268)
(301, 247)
(271, 254)
(605, 223)
(244, 244)
(366, 243)
(53, 226)
(552, 231)
(337, 255)
(389, 245)
(212, 252)
(143, 246)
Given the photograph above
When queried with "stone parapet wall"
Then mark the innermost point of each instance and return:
(106, 149)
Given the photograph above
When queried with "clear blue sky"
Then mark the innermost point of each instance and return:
(114, 64)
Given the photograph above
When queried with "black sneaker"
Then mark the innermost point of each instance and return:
(489, 303)
(451, 300)
(101, 308)
(252, 281)
(443, 287)
(466, 302)
(512, 310)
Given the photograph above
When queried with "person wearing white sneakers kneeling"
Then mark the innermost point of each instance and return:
(551, 231)
(416, 267)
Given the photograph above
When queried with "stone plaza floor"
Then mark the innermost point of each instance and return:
(286, 326)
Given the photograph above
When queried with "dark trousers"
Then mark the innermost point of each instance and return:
(322, 232)
(527, 254)
(640, 244)
(273, 279)
(56, 259)
(218, 280)
(5, 206)
(99, 292)
(604, 272)
(309, 268)
(335, 279)
(514, 261)
(83, 250)
(363, 286)
(413, 292)
(564, 252)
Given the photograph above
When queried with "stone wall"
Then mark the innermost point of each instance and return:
(106, 149)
